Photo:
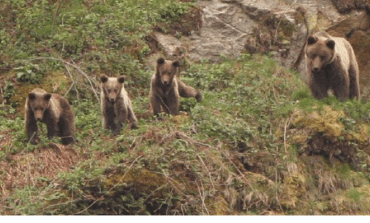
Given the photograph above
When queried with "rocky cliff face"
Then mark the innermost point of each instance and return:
(278, 27)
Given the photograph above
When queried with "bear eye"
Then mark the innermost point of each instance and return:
(109, 90)
(323, 57)
(313, 56)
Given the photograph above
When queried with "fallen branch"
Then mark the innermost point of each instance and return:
(74, 65)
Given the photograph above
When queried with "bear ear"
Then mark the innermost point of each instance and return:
(160, 61)
(311, 40)
(31, 96)
(103, 79)
(176, 63)
(47, 96)
(330, 43)
(121, 79)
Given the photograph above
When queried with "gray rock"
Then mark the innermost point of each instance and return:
(172, 47)
(231, 27)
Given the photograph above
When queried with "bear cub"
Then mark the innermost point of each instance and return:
(331, 64)
(116, 104)
(166, 88)
(54, 111)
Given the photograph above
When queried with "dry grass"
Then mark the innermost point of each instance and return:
(28, 168)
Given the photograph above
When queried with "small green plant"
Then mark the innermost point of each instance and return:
(8, 91)
(29, 73)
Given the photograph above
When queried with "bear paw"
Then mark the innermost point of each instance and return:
(134, 125)
(33, 142)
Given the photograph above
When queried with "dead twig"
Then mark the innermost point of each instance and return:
(58, 204)
(164, 104)
(287, 123)
(170, 181)
(74, 65)
(73, 82)
(202, 197)
(90, 205)
(209, 174)
(276, 31)
(87, 77)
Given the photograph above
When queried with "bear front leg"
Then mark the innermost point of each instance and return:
(318, 93)
(52, 127)
(173, 103)
(132, 118)
(66, 130)
(340, 85)
(31, 127)
(319, 85)
(108, 116)
(156, 102)
(121, 113)
(186, 91)
(354, 85)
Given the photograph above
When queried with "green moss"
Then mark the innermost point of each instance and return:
(143, 179)
(327, 121)
(355, 195)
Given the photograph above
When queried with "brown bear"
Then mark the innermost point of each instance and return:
(166, 88)
(116, 104)
(52, 109)
(331, 64)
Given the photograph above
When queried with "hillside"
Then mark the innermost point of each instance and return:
(257, 144)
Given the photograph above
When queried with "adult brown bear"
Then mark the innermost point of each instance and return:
(331, 64)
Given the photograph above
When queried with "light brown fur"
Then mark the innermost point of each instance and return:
(331, 64)
(52, 109)
(116, 104)
(166, 88)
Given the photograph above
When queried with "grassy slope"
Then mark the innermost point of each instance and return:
(257, 144)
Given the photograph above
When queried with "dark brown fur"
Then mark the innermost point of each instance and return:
(116, 104)
(166, 88)
(54, 111)
(331, 64)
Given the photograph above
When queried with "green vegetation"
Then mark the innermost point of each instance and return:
(257, 144)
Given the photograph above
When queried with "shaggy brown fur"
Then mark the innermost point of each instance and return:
(331, 64)
(115, 103)
(166, 88)
(52, 109)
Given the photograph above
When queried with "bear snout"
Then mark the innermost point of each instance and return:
(315, 69)
(112, 100)
(39, 115)
(165, 82)
(165, 79)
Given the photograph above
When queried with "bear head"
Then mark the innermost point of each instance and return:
(320, 52)
(38, 103)
(112, 86)
(166, 70)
